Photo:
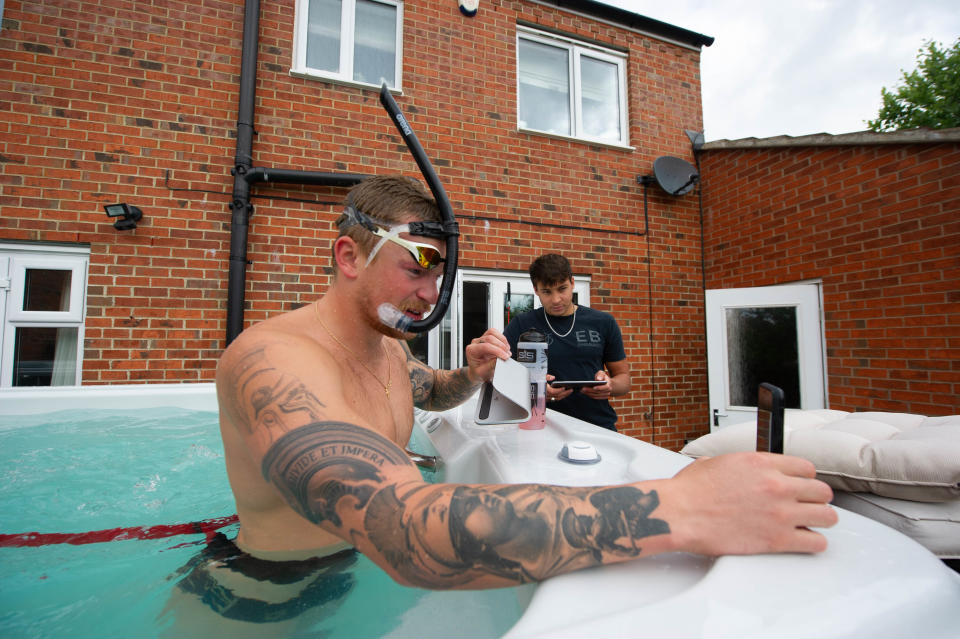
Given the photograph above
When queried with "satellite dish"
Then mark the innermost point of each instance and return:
(675, 176)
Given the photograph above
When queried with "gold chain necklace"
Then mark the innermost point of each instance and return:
(386, 387)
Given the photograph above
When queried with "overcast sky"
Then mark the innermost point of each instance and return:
(795, 67)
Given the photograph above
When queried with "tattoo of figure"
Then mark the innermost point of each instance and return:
(623, 512)
(421, 383)
(273, 395)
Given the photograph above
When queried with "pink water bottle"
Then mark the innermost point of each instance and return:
(532, 353)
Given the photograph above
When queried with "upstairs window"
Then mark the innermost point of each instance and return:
(570, 88)
(356, 41)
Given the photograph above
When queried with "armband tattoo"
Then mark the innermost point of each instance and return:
(355, 455)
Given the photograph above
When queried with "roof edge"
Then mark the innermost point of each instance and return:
(858, 138)
(632, 20)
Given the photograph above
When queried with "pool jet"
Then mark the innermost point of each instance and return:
(446, 230)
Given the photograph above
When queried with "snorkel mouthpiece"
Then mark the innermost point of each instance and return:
(394, 317)
(388, 313)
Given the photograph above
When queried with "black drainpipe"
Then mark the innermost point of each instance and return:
(243, 159)
(245, 174)
(294, 176)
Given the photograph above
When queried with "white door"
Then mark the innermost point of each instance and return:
(765, 334)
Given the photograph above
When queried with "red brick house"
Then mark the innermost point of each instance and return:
(539, 117)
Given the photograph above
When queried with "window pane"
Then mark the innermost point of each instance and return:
(446, 345)
(762, 347)
(45, 356)
(375, 43)
(600, 97)
(475, 320)
(323, 35)
(46, 290)
(544, 87)
(516, 303)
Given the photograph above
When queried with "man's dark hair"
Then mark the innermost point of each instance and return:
(550, 269)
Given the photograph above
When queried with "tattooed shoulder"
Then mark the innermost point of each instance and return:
(265, 395)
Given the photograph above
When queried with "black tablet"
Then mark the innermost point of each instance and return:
(576, 383)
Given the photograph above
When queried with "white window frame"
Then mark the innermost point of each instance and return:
(575, 51)
(347, 17)
(15, 260)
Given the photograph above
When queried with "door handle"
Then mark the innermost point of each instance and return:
(717, 415)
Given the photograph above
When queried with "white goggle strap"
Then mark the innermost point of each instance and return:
(386, 236)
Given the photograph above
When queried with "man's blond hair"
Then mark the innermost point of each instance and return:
(390, 199)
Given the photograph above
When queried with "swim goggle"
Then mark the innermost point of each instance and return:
(426, 255)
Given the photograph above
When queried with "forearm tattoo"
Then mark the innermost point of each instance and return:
(435, 389)
(447, 535)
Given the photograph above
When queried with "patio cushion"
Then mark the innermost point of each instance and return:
(936, 526)
(897, 455)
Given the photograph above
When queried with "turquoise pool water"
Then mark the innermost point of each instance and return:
(87, 471)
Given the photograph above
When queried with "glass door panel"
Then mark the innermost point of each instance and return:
(476, 306)
(762, 347)
(515, 304)
(433, 348)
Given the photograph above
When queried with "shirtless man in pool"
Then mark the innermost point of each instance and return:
(316, 406)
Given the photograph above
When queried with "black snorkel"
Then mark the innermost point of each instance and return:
(447, 229)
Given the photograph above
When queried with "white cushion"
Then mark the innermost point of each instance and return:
(896, 455)
(936, 526)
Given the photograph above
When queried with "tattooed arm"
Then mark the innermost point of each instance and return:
(447, 535)
(439, 390)
(340, 474)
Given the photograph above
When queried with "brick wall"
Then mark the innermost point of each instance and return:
(879, 225)
(108, 101)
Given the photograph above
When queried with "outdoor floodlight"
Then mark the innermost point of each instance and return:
(127, 215)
